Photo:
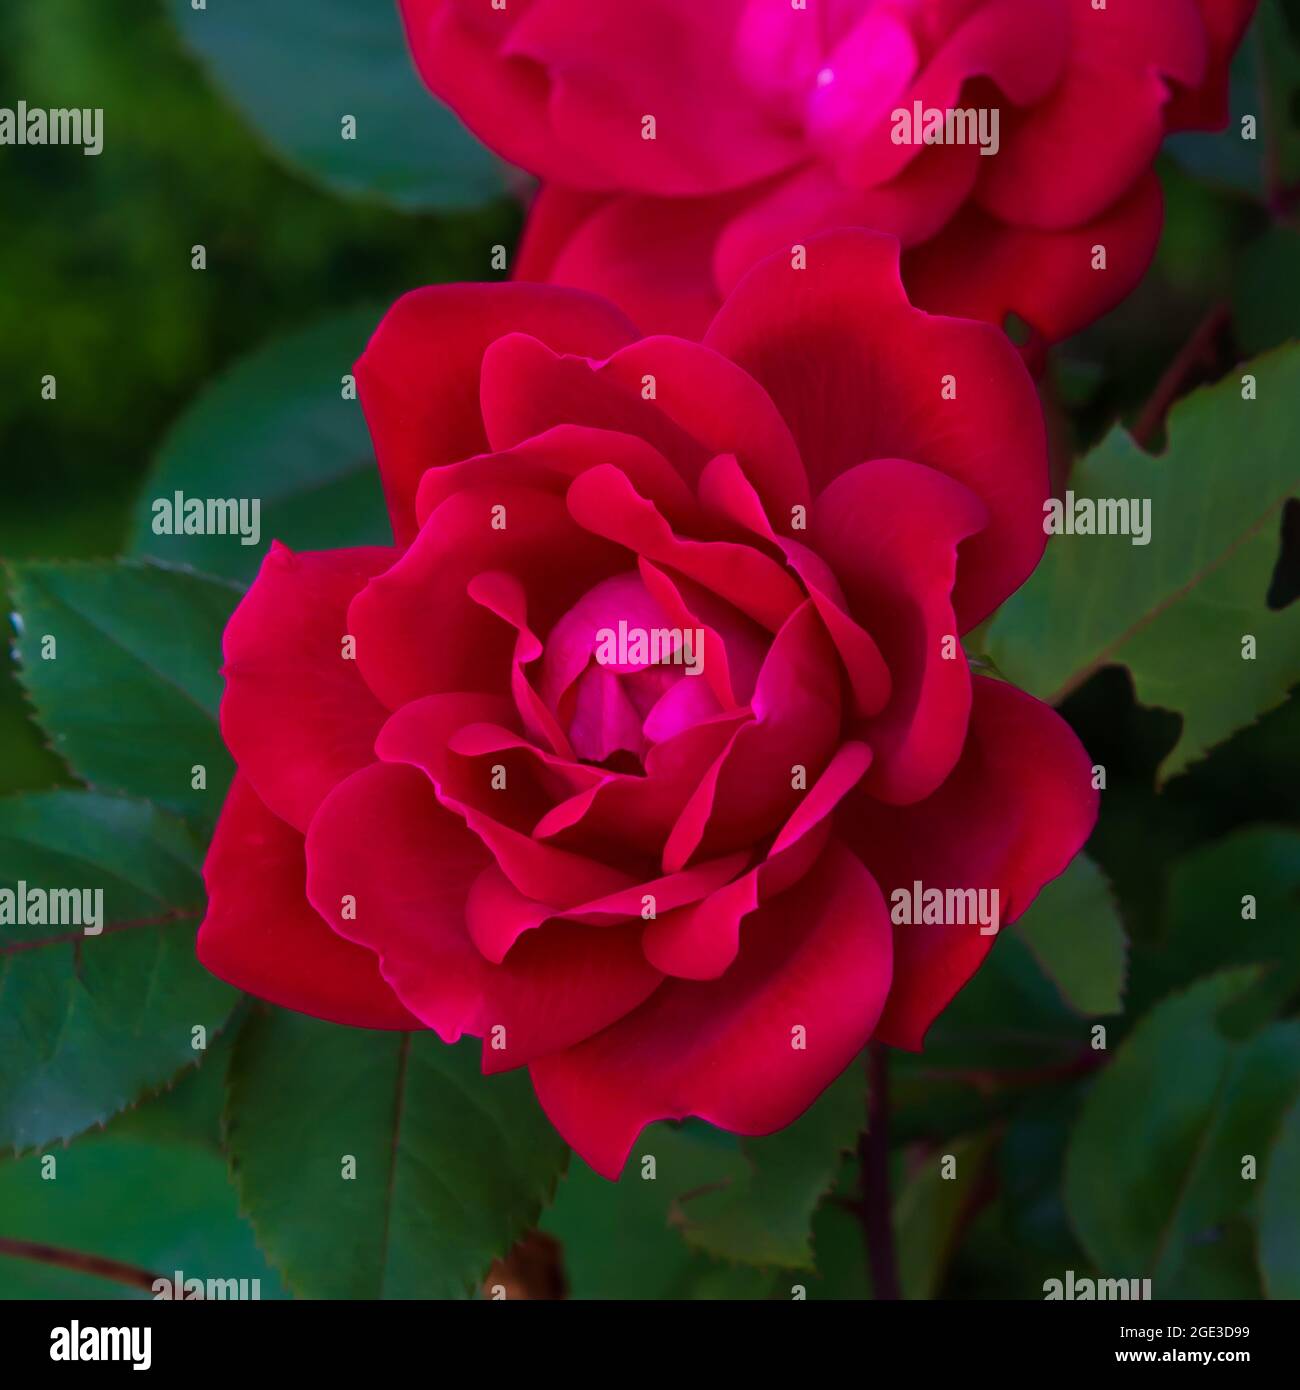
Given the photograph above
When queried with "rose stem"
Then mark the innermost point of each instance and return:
(79, 1262)
(873, 1164)
(1198, 354)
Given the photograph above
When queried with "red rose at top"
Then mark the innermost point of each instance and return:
(1008, 144)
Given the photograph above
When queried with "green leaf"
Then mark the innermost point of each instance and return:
(936, 1105)
(1032, 1167)
(930, 1210)
(190, 1108)
(159, 1207)
(1279, 1211)
(89, 1024)
(28, 764)
(1154, 1168)
(1175, 611)
(763, 1215)
(1276, 37)
(451, 1167)
(624, 1240)
(1074, 930)
(1009, 1018)
(129, 694)
(1223, 1266)
(1266, 295)
(1205, 926)
(838, 1244)
(277, 429)
(297, 68)
(991, 1264)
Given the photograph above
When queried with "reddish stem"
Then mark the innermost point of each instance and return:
(79, 1262)
(873, 1164)
(1199, 353)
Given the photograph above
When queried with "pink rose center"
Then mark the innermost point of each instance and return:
(621, 674)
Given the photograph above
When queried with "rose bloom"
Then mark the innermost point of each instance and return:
(772, 122)
(662, 887)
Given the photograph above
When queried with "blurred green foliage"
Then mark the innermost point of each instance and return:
(96, 286)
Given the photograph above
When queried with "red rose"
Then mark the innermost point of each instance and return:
(657, 877)
(773, 122)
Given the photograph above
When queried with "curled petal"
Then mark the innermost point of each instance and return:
(419, 376)
(1016, 810)
(382, 840)
(752, 786)
(261, 935)
(859, 374)
(418, 629)
(748, 1052)
(699, 941)
(604, 502)
(982, 268)
(1110, 103)
(296, 713)
(538, 870)
(891, 530)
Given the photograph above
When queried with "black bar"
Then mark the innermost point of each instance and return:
(867, 1340)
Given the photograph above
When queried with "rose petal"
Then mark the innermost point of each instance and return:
(1016, 810)
(1205, 107)
(604, 502)
(1020, 48)
(981, 268)
(419, 376)
(1109, 108)
(552, 459)
(722, 408)
(748, 1052)
(750, 790)
(418, 630)
(498, 914)
(635, 814)
(700, 941)
(382, 839)
(527, 389)
(891, 531)
(913, 207)
(859, 374)
(725, 490)
(261, 935)
(666, 53)
(296, 713)
(503, 100)
(653, 257)
(540, 871)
